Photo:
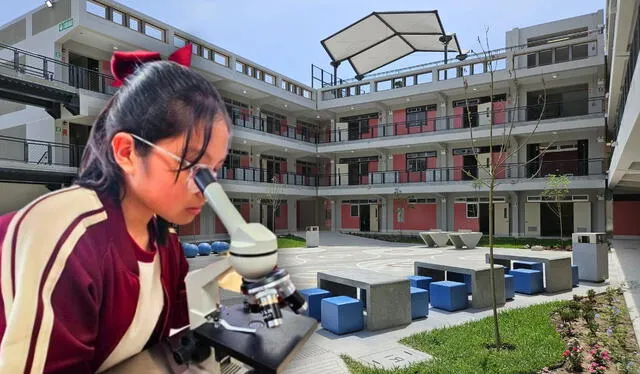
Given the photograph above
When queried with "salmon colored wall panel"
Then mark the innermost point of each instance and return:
(373, 126)
(420, 217)
(460, 220)
(625, 214)
(400, 121)
(458, 163)
(458, 113)
(349, 222)
(400, 165)
(431, 121)
(499, 115)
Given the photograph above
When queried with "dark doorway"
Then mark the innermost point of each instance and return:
(354, 130)
(78, 138)
(549, 222)
(483, 218)
(365, 218)
(88, 76)
(273, 170)
(470, 164)
(269, 213)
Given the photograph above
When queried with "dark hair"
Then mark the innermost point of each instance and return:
(161, 99)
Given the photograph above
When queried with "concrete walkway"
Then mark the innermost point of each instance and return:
(381, 348)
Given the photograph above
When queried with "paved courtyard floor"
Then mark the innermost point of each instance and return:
(381, 348)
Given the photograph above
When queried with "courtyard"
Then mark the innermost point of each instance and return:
(321, 354)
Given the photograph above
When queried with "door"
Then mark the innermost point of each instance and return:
(354, 130)
(373, 214)
(501, 219)
(78, 138)
(267, 216)
(471, 166)
(343, 174)
(582, 216)
(532, 219)
(354, 173)
(583, 157)
(365, 218)
(484, 160)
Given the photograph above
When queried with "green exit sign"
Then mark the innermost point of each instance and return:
(65, 24)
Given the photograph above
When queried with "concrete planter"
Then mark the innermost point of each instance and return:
(591, 255)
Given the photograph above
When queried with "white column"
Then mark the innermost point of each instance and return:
(383, 215)
(254, 210)
(390, 214)
(292, 223)
(515, 218)
(336, 222)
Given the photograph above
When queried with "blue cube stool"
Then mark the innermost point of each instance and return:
(527, 281)
(575, 280)
(462, 278)
(527, 265)
(509, 287)
(420, 281)
(448, 295)
(419, 302)
(342, 314)
(314, 296)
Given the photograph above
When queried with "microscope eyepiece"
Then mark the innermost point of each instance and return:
(203, 178)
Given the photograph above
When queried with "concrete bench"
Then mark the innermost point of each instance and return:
(479, 272)
(557, 265)
(388, 298)
(468, 239)
(434, 238)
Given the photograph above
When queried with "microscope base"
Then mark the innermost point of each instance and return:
(268, 350)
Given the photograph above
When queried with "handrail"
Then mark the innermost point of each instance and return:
(532, 170)
(454, 122)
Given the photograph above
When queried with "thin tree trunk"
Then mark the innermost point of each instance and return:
(561, 234)
(491, 271)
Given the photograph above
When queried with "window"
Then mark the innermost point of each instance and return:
(355, 211)
(472, 210)
(416, 164)
(117, 17)
(579, 51)
(269, 78)
(153, 31)
(532, 60)
(97, 9)
(179, 41)
(562, 54)
(195, 49)
(221, 59)
(416, 118)
(239, 67)
(206, 53)
(232, 161)
(545, 57)
(134, 23)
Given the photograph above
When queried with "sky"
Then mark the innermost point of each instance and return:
(285, 35)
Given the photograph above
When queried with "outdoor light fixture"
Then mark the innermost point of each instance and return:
(49, 3)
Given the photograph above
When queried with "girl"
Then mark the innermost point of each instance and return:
(92, 274)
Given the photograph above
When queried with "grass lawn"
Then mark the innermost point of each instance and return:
(461, 349)
(291, 241)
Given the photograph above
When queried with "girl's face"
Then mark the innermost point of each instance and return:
(152, 179)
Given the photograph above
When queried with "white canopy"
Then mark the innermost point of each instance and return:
(384, 37)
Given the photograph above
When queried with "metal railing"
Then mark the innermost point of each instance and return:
(261, 175)
(275, 127)
(479, 120)
(53, 70)
(533, 170)
(40, 152)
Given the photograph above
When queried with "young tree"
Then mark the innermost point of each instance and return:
(490, 173)
(555, 192)
(274, 195)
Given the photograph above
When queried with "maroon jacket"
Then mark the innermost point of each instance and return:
(69, 283)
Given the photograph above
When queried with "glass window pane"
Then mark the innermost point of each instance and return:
(532, 60)
(179, 41)
(153, 31)
(562, 54)
(206, 53)
(221, 59)
(117, 17)
(545, 57)
(134, 24)
(579, 51)
(194, 49)
(97, 9)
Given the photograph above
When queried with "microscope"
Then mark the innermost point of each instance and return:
(261, 332)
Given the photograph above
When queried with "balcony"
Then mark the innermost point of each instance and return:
(452, 179)
(498, 117)
(260, 181)
(278, 128)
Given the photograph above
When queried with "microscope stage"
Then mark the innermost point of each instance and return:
(268, 350)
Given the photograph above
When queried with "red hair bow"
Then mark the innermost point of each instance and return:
(125, 63)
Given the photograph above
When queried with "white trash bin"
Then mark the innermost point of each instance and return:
(590, 252)
(313, 236)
